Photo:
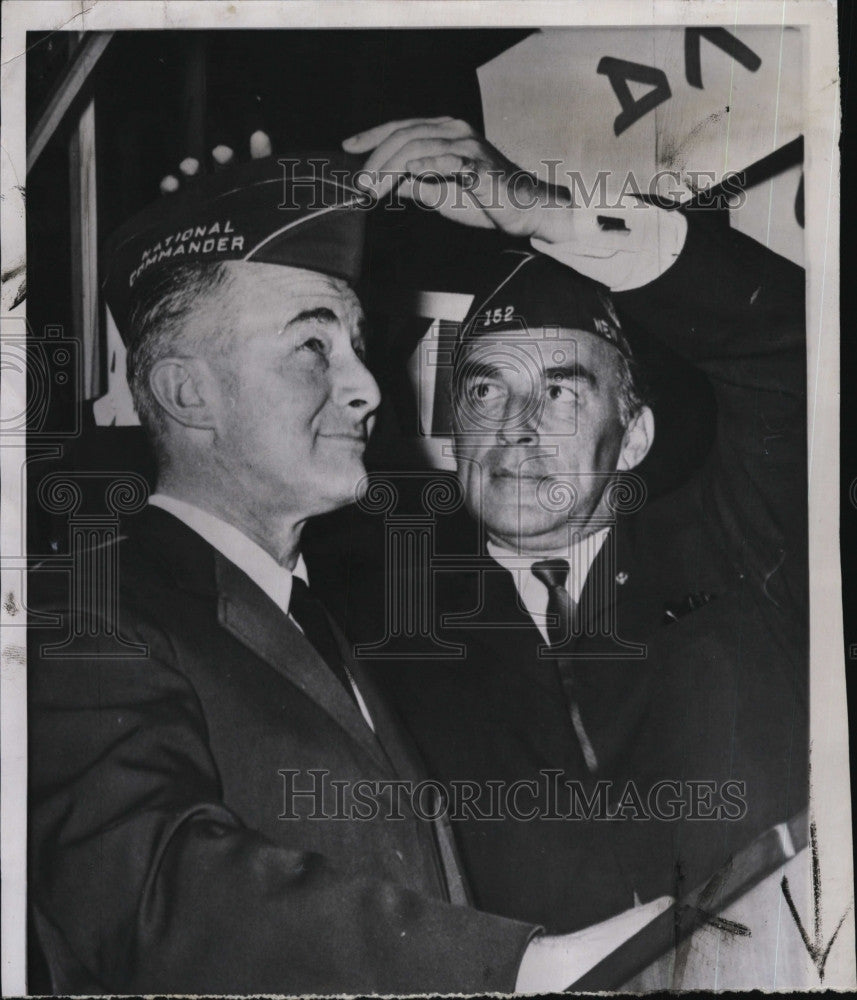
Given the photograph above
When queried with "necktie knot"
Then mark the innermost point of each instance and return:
(553, 573)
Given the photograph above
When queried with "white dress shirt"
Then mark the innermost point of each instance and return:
(533, 593)
(275, 580)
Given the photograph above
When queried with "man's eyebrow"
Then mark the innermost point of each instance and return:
(484, 369)
(321, 314)
(560, 373)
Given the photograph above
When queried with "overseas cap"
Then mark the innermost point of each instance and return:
(296, 211)
(528, 290)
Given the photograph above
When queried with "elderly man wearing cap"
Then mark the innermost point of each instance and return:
(196, 763)
(653, 649)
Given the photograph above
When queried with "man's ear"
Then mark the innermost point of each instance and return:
(639, 435)
(185, 389)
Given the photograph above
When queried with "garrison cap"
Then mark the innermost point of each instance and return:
(526, 291)
(302, 211)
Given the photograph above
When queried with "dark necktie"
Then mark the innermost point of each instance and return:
(309, 613)
(553, 573)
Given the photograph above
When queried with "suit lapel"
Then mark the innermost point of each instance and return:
(610, 666)
(403, 757)
(486, 604)
(484, 608)
(248, 614)
(615, 607)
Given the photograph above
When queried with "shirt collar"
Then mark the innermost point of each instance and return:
(274, 579)
(579, 555)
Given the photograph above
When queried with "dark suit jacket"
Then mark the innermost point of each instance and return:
(159, 861)
(710, 581)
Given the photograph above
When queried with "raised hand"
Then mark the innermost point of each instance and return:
(445, 165)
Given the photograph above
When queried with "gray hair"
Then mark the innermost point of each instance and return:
(160, 326)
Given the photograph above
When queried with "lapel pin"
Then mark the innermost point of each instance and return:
(621, 577)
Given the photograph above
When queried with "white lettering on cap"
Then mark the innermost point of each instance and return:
(183, 244)
(501, 314)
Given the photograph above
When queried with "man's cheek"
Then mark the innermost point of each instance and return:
(607, 449)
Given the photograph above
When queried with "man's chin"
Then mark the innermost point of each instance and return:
(517, 523)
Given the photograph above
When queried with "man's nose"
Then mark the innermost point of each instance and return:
(520, 425)
(357, 387)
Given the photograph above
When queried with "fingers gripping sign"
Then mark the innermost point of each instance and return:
(444, 164)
